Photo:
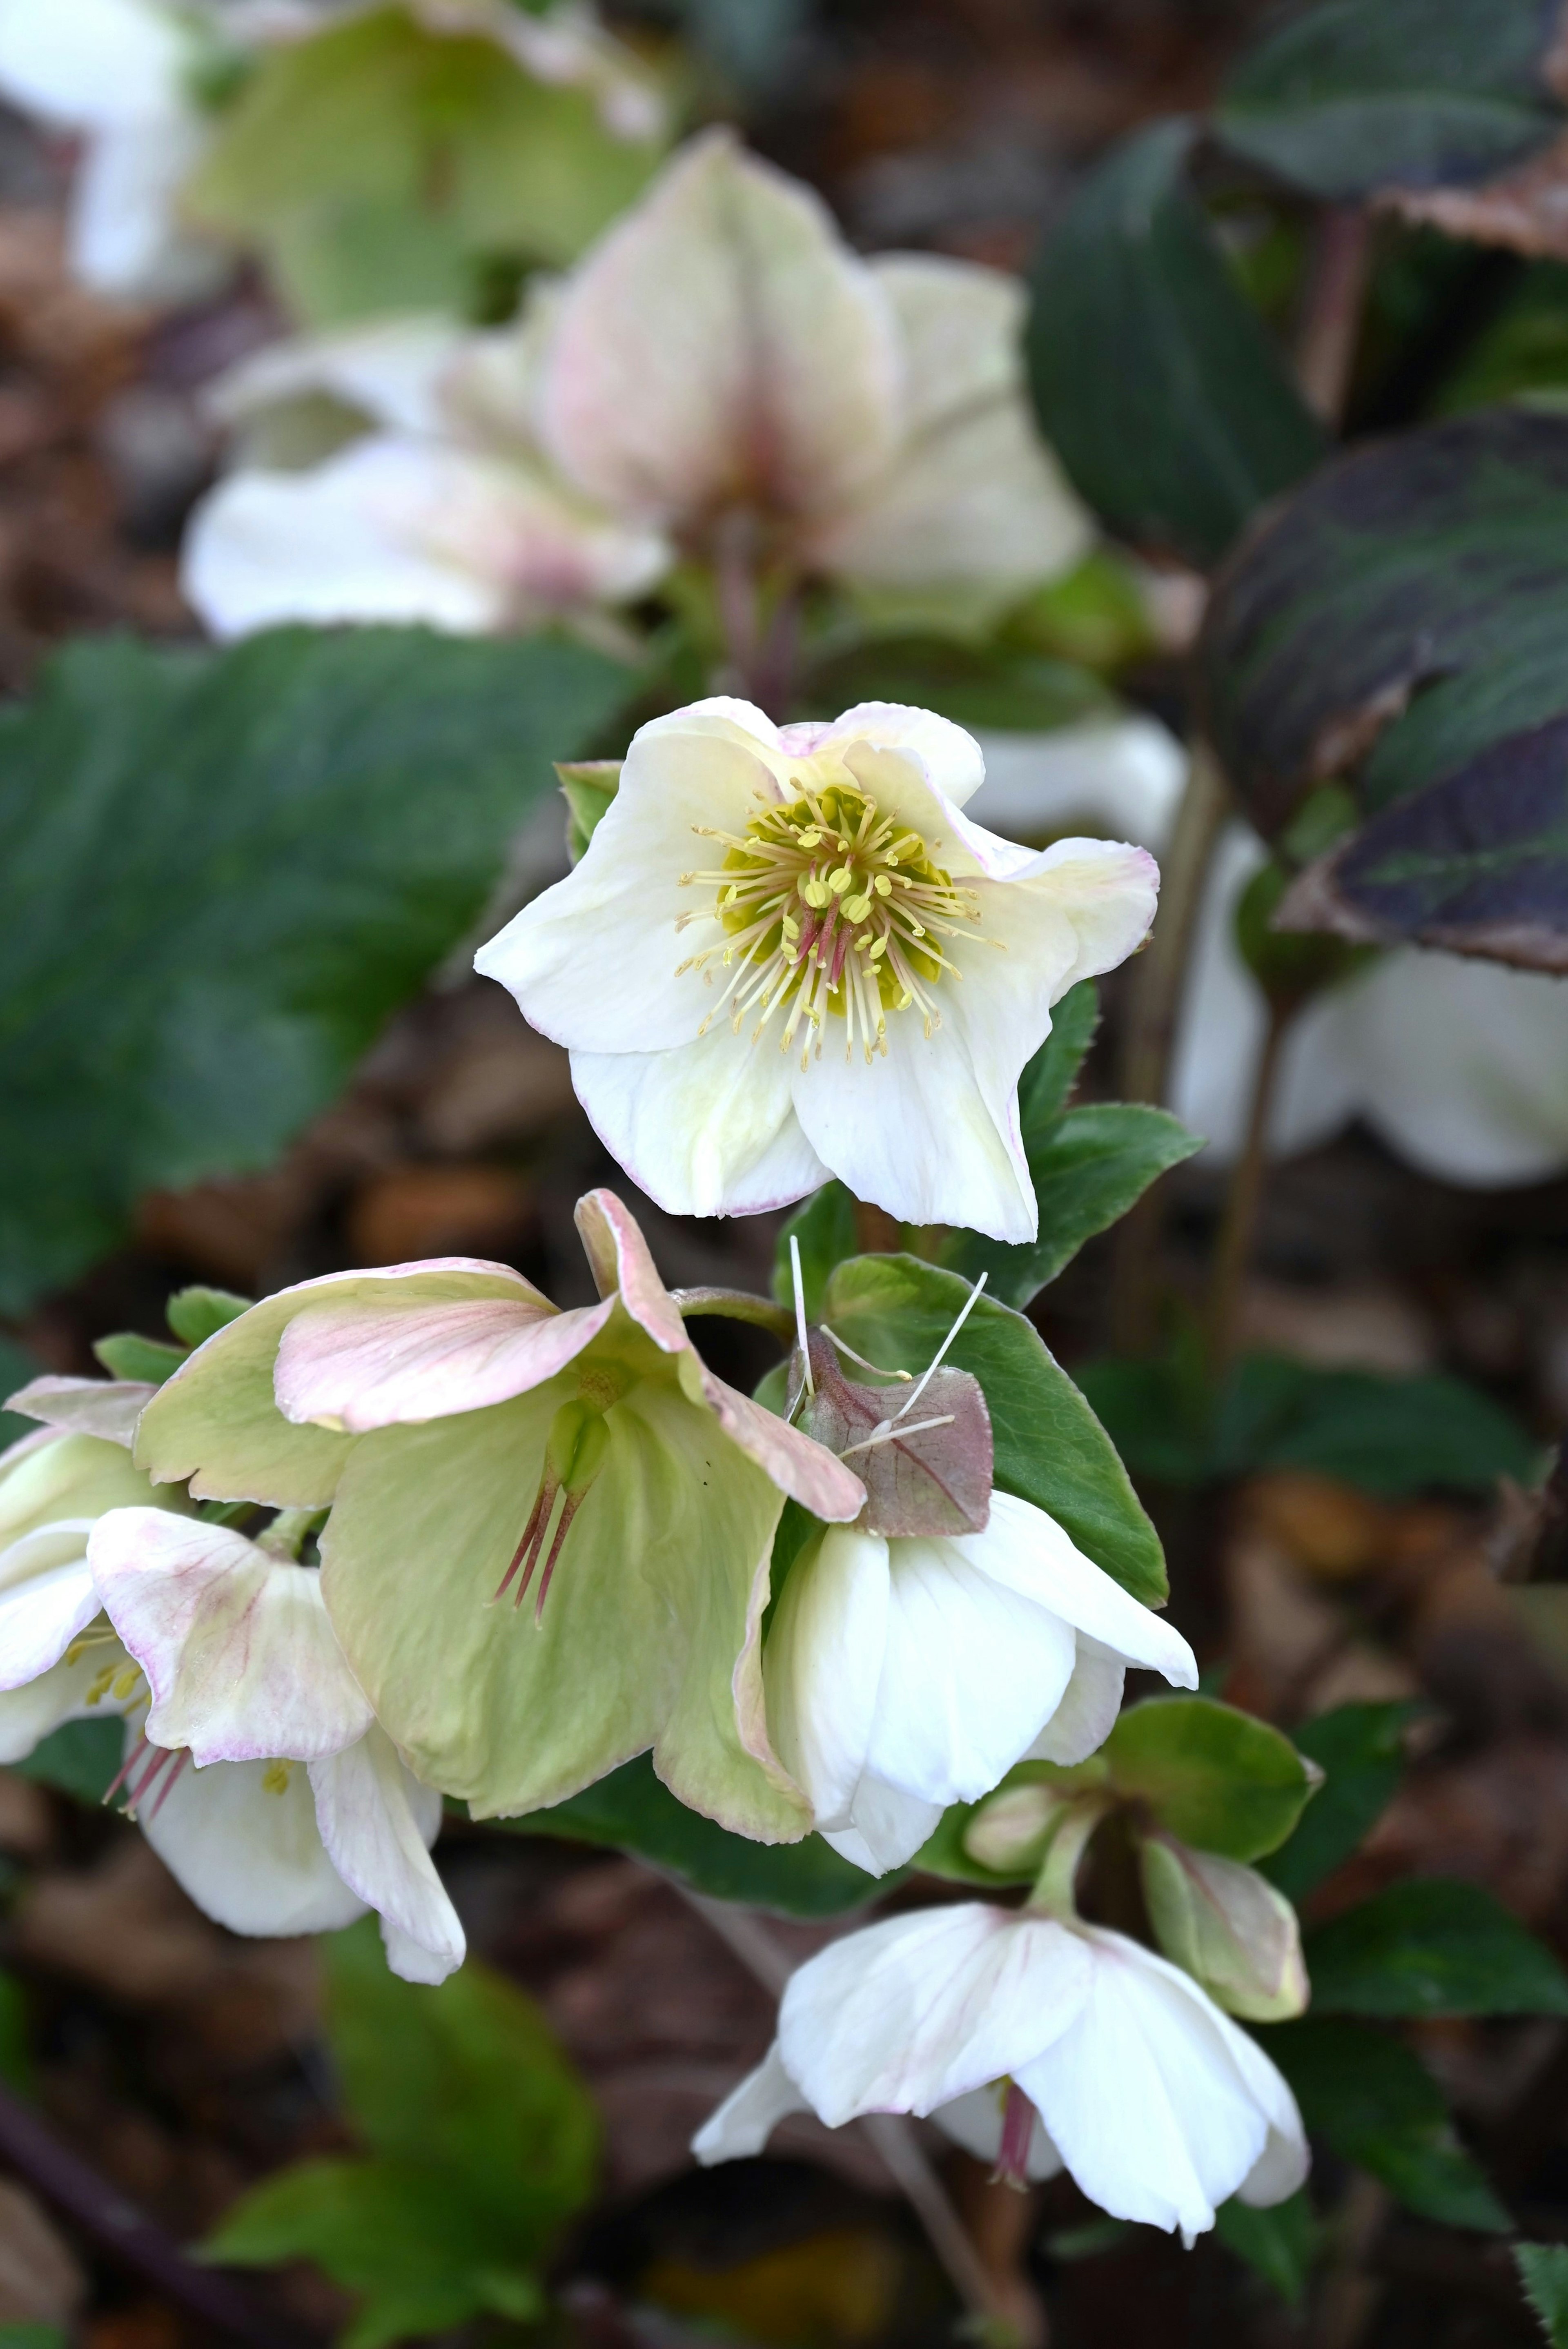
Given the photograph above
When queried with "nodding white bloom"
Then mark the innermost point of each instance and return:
(120, 73)
(671, 392)
(905, 1675)
(298, 1815)
(1459, 1066)
(1047, 2042)
(788, 954)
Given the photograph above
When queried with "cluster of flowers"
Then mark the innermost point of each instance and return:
(395, 1536)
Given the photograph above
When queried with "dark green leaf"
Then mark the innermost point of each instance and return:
(1379, 2106)
(34, 2336)
(81, 1759)
(632, 1811)
(197, 1314)
(1431, 1947)
(126, 1356)
(1050, 1448)
(825, 1226)
(978, 686)
(1155, 381)
(1280, 2243)
(1046, 1085)
(1094, 1163)
(277, 844)
(1209, 1774)
(1360, 1750)
(1400, 624)
(1357, 95)
(1543, 2273)
(587, 786)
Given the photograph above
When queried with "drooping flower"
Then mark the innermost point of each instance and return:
(1459, 1066)
(297, 1814)
(721, 374)
(1045, 2041)
(905, 1675)
(849, 982)
(479, 1448)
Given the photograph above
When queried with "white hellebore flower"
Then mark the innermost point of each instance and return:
(120, 72)
(299, 1814)
(849, 985)
(720, 374)
(1158, 2104)
(905, 1675)
(1459, 1066)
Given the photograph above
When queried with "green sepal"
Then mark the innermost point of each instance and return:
(196, 1314)
(1209, 1774)
(144, 1360)
(587, 786)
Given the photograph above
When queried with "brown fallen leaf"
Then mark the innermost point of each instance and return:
(41, 2280)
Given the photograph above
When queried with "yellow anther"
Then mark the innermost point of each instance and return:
(275, 1778)
(857, 908)
(883, 885)
(815, 892)
(125, 1685)
(839, 879)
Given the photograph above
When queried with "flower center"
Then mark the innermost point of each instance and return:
(829, 907)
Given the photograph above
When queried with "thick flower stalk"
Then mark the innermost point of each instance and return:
(257, 1769)
(720, 377)
(904, 1675)
(788, 954)
(551, 1533)
(1042, 2042)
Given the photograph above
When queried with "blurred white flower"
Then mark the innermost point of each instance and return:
(851, 986)
(720, 375)
(905, 1675)
(1459, 1066)
(1046, 2043)
(297, 1814)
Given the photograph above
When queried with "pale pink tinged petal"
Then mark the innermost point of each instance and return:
(622, 1266)
(391, 370)
(748, 2114)
(364, 1808)
(236, 1646)
(723, 344)
(898, 750)
(975, 2122)
(1088, 1712)
(107, 1408)
(914, 1132)
(1031, 1553)
(912, 2013)
(821, 1666)
(358, 1367)
(706, 1129)
(241, 1839)
(46, 1597)
(887, 1828)
(804, 1469)
(969, 1674)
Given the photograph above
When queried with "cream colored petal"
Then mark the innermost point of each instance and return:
(126, 240)
(50, 1476)
(888, 1826)
(377, 1823)
(391, 369)
(706, 1129)
(1029, 1553)
(241, 1839)
(1088, 1712)
(822, 1667)
(748, 2114)
(85, 63)
(723, 344)
(46, 1595)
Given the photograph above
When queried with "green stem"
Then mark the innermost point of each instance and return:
(737, 1305)
(289, 1531)
(1239, 1227)
(1053, 1892)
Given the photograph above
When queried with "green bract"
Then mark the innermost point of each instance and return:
(477, 1446)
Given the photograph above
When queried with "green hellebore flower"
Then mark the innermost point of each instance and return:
(477, 1446)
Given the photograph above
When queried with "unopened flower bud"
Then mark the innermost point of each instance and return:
(1009, 1833)
(1226, 1926)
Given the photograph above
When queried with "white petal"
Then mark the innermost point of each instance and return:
(107, 1408)
(886, 1826)
(1030, 1552)
(719, 343)
(61, 1694)
(236, 1646)
(85, 63)
(706, 1129)
(898, 747)
(46, 1595)
(1113, 779)
(912, 2013)
(359, 1365)
(248, 1852)
(1088, 1712)
(821, 1666)
(391, 369)
(365, 1809)
(970, 1672)
(126, 240)
(47, 1477)
(595, 962)
(975, 2122)
(748, 2114)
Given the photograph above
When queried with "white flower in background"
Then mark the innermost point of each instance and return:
(1155, 2101)
(849, 984)
(1459, 1066)
(120, 74)
(905, 1675)
(297, 1814)
(719, 375)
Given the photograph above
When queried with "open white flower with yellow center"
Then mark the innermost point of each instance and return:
(259, 1773)
(903, 1675)
(787, 954)
(1041, 2041)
